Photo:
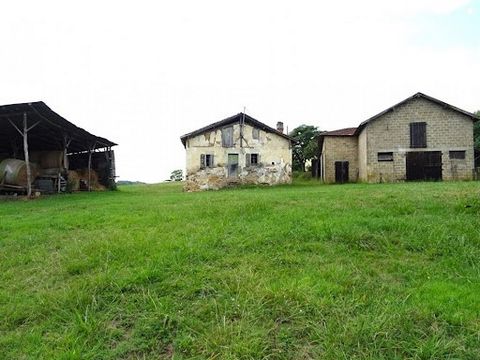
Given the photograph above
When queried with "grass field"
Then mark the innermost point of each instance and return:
(290, 272)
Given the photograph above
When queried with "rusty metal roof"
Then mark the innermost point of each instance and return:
(235, 119)
(49, 133)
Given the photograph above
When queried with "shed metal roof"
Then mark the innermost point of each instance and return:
(50, 132)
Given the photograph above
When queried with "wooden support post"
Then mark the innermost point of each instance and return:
(27, 157)
(59, 187)
(24, 134)
(89, 170)
(90, 151)
(66, 144)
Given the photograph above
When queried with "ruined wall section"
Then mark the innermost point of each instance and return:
(274, 155)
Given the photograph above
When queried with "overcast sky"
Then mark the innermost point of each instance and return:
(142, 73)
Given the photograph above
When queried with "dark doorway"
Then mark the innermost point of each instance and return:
(424, 165)
(232, 165)
(341, 172)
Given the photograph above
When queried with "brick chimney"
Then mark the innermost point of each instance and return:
(280, 126)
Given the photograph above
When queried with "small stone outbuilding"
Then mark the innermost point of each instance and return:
(237, 150)
(420, 138)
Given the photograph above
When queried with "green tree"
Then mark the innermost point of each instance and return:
(176, 175)
(306, 147)
(476, 132)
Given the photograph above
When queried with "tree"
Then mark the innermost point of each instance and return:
(176, 175)
(306, 147)
(476, 132)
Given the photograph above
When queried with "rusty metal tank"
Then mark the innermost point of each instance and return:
(14, 172)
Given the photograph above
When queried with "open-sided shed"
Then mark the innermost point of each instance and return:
(41, 150)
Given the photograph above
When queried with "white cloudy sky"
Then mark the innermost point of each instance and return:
(142, 73)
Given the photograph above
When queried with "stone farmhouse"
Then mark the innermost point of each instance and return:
(420, 138)
(237, 150)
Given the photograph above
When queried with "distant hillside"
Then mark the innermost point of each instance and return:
(128, 182)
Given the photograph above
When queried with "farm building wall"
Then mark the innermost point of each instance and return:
(446, 130)
(340, 148)
(273, 152)
(362, 156)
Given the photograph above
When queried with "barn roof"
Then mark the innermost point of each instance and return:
(48, 134)
(418, 95)
(340, 132)
(231, 120)
(354, 131)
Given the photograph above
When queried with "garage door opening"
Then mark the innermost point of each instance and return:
(424, 165)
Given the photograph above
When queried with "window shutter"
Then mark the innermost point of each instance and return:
(227, 136)
(247, 159)
(418, 135)
(422, 134)
(202, 161)
(412, 134)
(211, 161)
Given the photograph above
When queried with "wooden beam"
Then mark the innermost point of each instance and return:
(31, 127)
(15, 127)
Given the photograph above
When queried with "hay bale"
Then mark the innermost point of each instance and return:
(48, 159)
(83, 180)
(73, 181)
(14, 172)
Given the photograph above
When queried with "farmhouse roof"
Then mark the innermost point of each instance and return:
(418, 95)
(49, 133)
(231, 120)
(340, 132)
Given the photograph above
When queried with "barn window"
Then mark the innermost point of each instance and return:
(206, 161)
(457, 155)
(252, 159)
(227, 136)
(385, 156)
(255, 133)
(418, 135)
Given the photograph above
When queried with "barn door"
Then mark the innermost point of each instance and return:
(433, 165)
(232, 165)
(424, 165)
(341, 172)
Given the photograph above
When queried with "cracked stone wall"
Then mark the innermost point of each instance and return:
(274, 152)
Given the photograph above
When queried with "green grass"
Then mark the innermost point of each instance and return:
(289, 272)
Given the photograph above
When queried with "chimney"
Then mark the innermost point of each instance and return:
(280, 126)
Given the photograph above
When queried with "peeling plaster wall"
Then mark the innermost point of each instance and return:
(275, 159)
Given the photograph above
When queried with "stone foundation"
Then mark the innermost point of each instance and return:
(217, 177)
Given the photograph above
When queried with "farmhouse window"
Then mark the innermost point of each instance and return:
(385, 156)
(457, 155)
(252, 159)
(206, 160)
(418, 135)
(255, 133)
(227, 136)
